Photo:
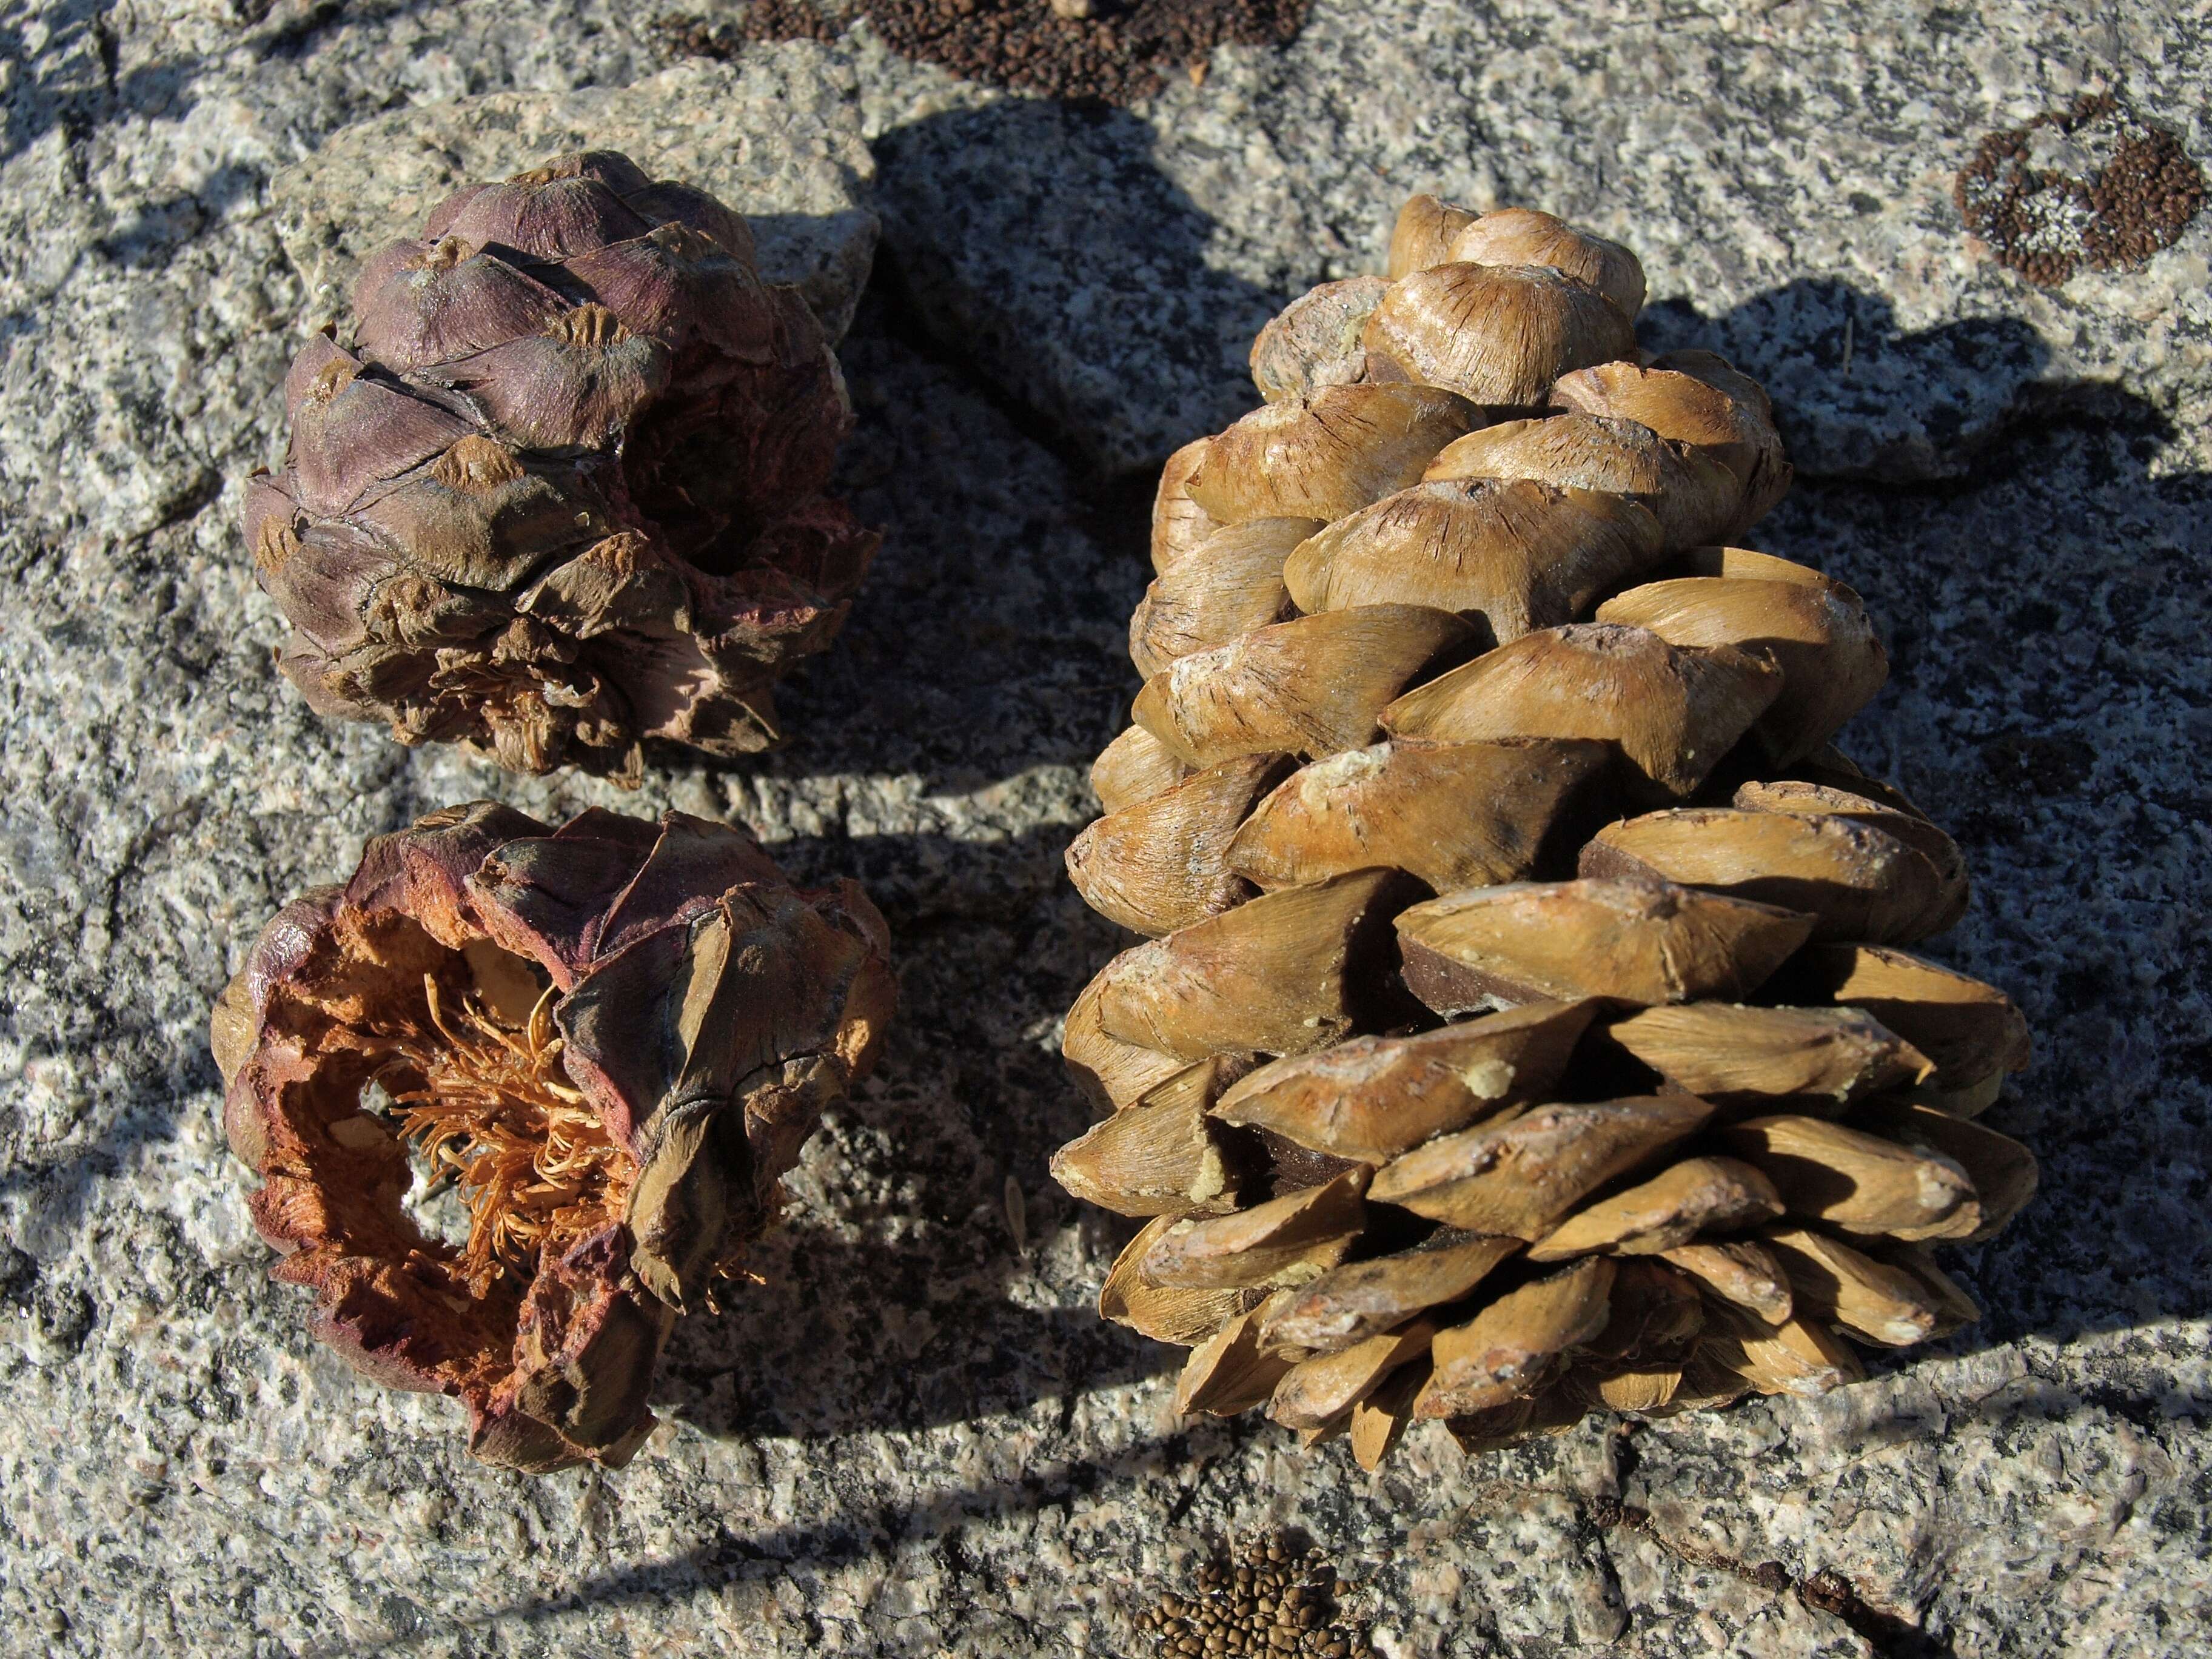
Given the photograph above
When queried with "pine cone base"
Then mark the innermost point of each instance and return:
(612, 1038)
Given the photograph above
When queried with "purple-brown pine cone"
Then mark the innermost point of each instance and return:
(614, 1036)
(563, 491)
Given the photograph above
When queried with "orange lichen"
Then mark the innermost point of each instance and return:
(489, 1106)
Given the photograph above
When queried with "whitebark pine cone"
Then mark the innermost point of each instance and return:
(614, 1036)
(1525, 1027)
(559, 491)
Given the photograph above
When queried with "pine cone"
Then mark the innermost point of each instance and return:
(1554, 1051)
(614, 1037)
(563, 490)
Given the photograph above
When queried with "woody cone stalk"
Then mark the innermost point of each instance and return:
(1526, 1025)
(613, 1037)
(558, 488)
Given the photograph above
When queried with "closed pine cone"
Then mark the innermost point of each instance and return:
(558, 489)
(1525, 1027)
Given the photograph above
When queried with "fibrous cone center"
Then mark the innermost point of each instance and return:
(487, 1104)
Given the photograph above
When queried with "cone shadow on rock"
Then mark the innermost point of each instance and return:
(79, 30)
(806, 1355)
(1856, 395)
(1043, 247)
(726, 1558)
(1050, 259)
(908, 1316)
(79, 35)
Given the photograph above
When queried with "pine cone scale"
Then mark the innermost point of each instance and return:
(1351, 1303)
(1372, 1098)
(420, 303)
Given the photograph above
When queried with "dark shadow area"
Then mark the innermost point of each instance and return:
(1856, 394)
(76, 83)
(88, 85)
(930, 1339)
(2045, 620)
(85, 83)
(991, 636)
(2045, 611)
(1047, 256)
(1042, 254)
(905, 1315)
(149, 240)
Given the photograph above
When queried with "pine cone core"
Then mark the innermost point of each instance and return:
(488, 1107)
(612, 1038)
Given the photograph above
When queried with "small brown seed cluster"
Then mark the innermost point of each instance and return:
(1521, 1027)
(2122, 189)
(1114, 50)
(1267, 1598)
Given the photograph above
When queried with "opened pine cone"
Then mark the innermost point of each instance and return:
(613, 1038)
(1526, 1027)
(559, 488)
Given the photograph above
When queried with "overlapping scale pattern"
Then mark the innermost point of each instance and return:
(560, 489)
(1525, 1026)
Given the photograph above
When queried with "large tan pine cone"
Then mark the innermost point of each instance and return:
(1526, 1027)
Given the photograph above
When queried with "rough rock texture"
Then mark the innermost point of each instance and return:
(801, 180)
(915, 1436)
(1784, 173)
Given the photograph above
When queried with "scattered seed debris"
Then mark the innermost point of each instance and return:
(2094, 181)
(1114, 50)
(1270, 1598)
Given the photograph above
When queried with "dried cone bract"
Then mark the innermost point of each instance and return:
(558, 488)
(613, 1037)
(1526, 1027)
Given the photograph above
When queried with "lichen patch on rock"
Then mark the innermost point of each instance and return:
(2095, 182)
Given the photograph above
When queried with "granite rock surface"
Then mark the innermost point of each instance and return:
(1784, 171)
(913, 1437)
(801, 180)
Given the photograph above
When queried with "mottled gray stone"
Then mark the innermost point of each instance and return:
(776, 137)
(913, 1437)
(1784, 173)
